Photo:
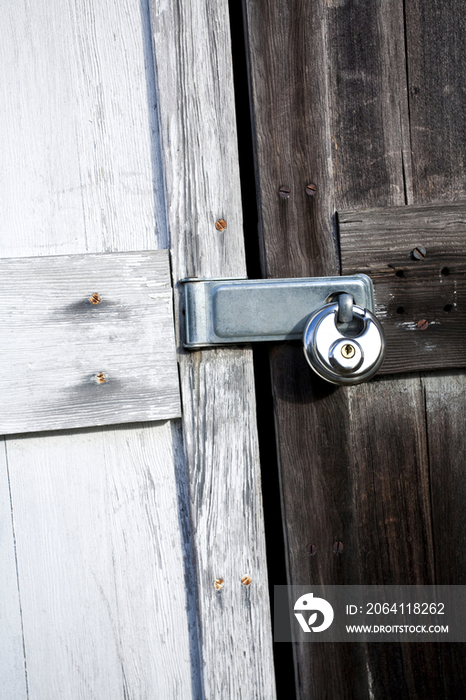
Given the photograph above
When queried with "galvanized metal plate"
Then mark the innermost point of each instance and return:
(86, 340)
(220, 311)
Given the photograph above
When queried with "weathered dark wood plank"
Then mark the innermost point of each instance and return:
(420, 293)
(436, 64)
(446, 421)
(436, 50)
(329, 100)
(367, 93)
(286, 43)
(369, 236)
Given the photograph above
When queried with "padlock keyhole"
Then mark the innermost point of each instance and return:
(348, 351)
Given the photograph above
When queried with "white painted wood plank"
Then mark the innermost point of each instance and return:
(80, 168)
(196, 103)
(12, 668)
(86, 340)
(102, 555)
(101, 590)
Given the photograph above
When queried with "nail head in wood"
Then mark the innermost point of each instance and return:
(284, 192)
(221, 225)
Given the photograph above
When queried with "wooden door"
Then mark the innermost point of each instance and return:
(132, 556)
(358, 105)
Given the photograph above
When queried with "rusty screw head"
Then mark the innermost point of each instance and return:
(95, 299)
(284, 192)
(101, 378)
(246, 580)
(419, 253)
(219, 583)
(311, 549)
(221, 225)
(311, 190)
(422, 324)
(338, 547)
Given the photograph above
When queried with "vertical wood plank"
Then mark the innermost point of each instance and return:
(436, 45)
(328, 86)
(12, 662)
(436, 65)
(100, 516)
(102, 590)
(87, 159)
(193, 66)
(446, 411)
(368, 97)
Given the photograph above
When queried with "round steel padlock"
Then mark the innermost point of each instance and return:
(344, 353)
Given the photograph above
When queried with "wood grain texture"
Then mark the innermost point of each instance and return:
(436, 65)
(101, 591)
(436, 47)
(445, 410)
(79, 131)
(445, 413)
(380, 242)
(329, 93)
(12, 661)
(197, 124)
(69, 362)
(367, 94)
(100, 516)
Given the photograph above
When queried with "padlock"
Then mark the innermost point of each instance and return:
(344, 353)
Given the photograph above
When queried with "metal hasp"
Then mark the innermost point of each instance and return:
(221, 311)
